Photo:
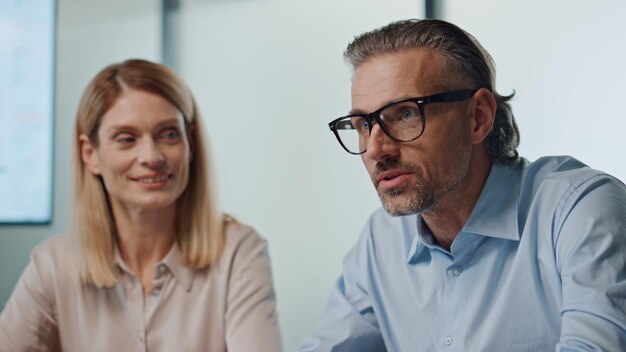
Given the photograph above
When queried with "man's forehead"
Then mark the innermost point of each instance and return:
(389, 77)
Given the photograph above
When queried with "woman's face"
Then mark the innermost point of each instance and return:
(143, 153)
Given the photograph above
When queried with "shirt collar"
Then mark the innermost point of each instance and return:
(494, 215)
(423, 239)
(182, 273)
(173, 261)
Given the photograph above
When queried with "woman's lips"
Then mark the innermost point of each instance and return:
(152, 181)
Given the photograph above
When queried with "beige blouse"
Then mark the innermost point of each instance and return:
(229, 307)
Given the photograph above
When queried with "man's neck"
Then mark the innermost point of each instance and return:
(446, 218)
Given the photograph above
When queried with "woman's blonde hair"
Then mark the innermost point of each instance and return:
(199, 223)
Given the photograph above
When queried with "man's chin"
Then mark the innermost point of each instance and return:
(397, 212)
(396, 206)
(399, 202)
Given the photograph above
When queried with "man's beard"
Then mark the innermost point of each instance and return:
(414, 197)
(407, 200)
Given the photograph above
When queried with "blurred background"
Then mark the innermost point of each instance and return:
(268, 76)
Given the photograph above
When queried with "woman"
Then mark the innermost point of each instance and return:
(151, 264)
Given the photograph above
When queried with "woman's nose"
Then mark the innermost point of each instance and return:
(150, 153)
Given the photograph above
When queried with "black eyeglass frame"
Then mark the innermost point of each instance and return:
(445, 97)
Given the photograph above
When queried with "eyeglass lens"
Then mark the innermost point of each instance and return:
(402, 120)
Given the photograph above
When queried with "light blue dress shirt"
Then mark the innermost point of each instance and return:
(540, 265)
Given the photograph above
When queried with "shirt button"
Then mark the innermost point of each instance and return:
(160, 268)
(457, 271)
(447, 341)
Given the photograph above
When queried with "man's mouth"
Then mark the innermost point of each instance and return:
(392, 178)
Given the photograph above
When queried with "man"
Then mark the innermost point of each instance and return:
(476, 249)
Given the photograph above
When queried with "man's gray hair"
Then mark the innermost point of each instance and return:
(465, 58)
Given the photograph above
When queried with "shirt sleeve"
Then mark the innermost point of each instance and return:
(28, 322)
(251, 318)
(349, 322)
(591, 256)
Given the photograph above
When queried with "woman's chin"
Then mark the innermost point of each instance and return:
(151, 203)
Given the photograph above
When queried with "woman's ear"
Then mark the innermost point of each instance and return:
(483, 112)
(88, 155)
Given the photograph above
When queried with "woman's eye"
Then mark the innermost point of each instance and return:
(124, 139)
(170, 134)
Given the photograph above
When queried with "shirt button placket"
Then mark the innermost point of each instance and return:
(137, 300)
(455, 272)
(142, 341)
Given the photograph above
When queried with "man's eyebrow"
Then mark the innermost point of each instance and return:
(391, 101)
(357, 112)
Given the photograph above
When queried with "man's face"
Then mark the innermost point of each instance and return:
(413, 176)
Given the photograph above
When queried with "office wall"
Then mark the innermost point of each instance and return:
(565, 59)
(90, 35)
(269, 76)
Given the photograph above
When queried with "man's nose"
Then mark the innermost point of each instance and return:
(150, 153)
(379, 145)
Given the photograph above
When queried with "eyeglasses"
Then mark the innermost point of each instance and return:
(402, 120)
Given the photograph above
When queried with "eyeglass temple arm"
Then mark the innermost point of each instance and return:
(449, 97)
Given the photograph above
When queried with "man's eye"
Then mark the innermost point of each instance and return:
(364, 125)
(359, 124)
(408, 114)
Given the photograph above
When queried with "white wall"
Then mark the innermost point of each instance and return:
(90, 35)
(565, 59)
(277, 67)
(269, 76)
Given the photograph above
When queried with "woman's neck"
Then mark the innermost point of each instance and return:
(145, 236)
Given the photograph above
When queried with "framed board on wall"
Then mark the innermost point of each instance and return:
(27, 62)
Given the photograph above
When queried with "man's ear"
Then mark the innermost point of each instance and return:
(88, 155)
(483, 111)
